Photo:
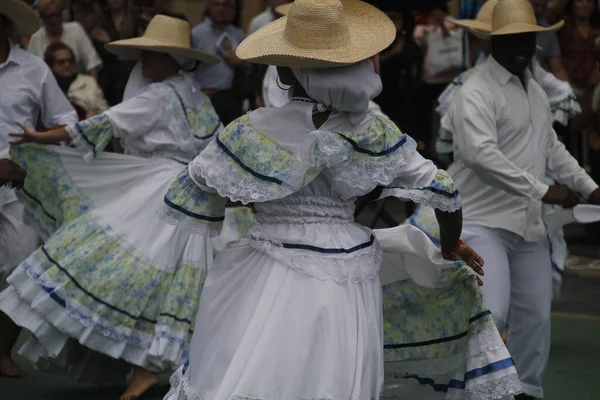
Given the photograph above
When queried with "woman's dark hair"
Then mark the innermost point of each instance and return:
(52, 49)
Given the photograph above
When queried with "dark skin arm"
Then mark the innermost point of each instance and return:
(11, 173)
(450, 229)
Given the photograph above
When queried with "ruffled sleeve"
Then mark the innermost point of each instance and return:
(204, 121)
(440, 193)
(246, 165)
(91, 135)
(193, 206)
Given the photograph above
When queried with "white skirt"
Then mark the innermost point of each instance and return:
(273, 332)
(112, 277)
(267, 331)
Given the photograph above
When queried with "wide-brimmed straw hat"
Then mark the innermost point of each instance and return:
(320, 34)
(512, 17)
(24, 18)
(283, 9)
(505, 17)
(481, 26)
(164, 35)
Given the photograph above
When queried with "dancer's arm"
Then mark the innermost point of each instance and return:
(54, 136)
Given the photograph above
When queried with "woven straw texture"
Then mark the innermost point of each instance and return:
(165, 35)
(320, 34)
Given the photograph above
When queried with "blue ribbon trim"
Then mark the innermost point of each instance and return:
(92, 144)
(323, 249)
(32, 197)
(456, 384)
(445, 339)
(192, 214)
(382, 153)
(244, 166)
(62, 302)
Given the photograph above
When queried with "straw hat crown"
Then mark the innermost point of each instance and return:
(24, 19)
(517, 16)
(320, 33)
(164, 35)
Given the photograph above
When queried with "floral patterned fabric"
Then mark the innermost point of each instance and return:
(248, 166)
(204, 122)
(92, 135)
(48, 181)
(116, 279)
(193, 208)
(439, 194)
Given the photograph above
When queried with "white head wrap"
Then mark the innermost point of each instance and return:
(136, 82)
(344, 89)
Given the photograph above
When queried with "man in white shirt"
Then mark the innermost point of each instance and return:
(504, 148)
(266, 16)
(70, 33)
(28, 92)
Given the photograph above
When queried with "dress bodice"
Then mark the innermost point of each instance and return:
(314, 203)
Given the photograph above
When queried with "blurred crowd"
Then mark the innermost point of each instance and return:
(74, 33)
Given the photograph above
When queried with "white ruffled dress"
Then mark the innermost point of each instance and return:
(113, 284)
(294, 310)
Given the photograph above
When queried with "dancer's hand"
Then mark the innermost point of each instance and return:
(468, 256)
(27, 136)
(11, 172)
(54, 136)
(561, 195)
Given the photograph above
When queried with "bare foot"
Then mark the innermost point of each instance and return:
(10, 369)
(141, 381)
(505, 336)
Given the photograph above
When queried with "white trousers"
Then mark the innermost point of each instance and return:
(518, 278)
(17, 240)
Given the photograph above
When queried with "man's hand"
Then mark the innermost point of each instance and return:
(561, 195)
(595, 197)
(11, 172)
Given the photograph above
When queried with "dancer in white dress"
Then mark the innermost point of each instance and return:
(294, 310)
(113, 285)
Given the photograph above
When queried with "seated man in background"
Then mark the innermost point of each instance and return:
(70, 33)
(82, 90)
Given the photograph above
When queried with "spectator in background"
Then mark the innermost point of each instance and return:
(150, 8)
(86, 12)
(82, 90)
(70, 33)
(223, 82)
(119, 21)
(266, 16)
(548, 53)
(578, 41)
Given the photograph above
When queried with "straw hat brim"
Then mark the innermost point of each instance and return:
(130, 49)
(283, 9)
(370, 32)
(23, 17)
(471, 24)
(520, 27)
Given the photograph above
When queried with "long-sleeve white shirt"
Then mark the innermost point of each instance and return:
(28, 92)
(504, 148)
